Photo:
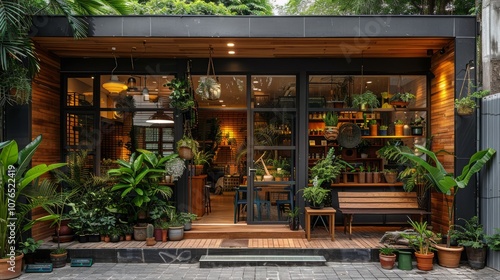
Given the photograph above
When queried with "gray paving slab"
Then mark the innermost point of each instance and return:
(333, 270)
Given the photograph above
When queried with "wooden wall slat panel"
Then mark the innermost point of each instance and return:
(46, 121)
(442, 125)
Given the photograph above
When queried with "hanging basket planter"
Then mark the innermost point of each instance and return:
(465, 111)
(209, 86)
(186, 153)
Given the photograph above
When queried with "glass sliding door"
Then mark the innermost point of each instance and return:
(272, 149)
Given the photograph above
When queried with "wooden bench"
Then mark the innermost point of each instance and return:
(377, 203)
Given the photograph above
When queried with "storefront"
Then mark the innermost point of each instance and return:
(285, 75)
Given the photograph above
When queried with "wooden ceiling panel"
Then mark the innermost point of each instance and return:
(244, 47)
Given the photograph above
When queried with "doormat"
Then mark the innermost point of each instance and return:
(241, 243)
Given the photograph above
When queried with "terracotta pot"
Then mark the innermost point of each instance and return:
(376, 177)
(107, 238)
(387, 261)
(185, 153)
(157, 234)
(362, 177)
(373, 130)
(425, 261)
(164, 235)
(449, 257)
(14, 271)
(399, 129)
(128, 237)
(150, 241)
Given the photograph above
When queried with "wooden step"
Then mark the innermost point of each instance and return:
(207, 261)
(242, 231)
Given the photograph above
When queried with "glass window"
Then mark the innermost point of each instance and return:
(80, 92)
(233, 92)
(273, 91)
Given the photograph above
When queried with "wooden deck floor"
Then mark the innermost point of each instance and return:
(217, 230)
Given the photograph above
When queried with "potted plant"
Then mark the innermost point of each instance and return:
(493, 240)
(175, 226)
(259, 172)
(28, 248)
(187, 147)
(175, 168)
(387, 257)
(15, 165)
(399, 128)
(471, 235)
(138, 182)
(401, 99)
(208, 88)
(16, 83)
(466, 105)
(382, 130)
(373, 128)
(188, 219)
(293, 218)
(150, 239)
(390, 175)
(200, 159)
(449, 185)
(315, 195)
(422, 241)
(331, 120)
(364, 100)
(181, 97)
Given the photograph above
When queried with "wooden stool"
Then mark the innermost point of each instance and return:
(327, 211)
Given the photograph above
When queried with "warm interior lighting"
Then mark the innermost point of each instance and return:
(231, 52)
(230, 44)
(114, 85)
(160, 118)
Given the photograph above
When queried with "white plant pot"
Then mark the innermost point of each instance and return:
(267, 178)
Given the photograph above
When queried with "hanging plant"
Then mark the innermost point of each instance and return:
(208, 86)
(181, 97)
(466, 105)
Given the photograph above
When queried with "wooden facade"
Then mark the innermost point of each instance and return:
(93, 55)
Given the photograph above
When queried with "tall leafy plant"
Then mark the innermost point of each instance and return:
(139, 179)
(448, 183)
(16, 177)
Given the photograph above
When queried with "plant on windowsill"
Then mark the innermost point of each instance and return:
(331, 121)
(364, 100)
(401, 99)
(449, 185)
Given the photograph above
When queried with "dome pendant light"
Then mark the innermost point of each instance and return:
(114, 85)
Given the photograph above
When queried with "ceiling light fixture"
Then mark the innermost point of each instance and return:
(145, 90)
(231, 52)
(132, 82)
(160, 118)
(230, 44)
(114, 85)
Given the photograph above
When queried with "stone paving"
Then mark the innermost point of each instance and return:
(333, 270)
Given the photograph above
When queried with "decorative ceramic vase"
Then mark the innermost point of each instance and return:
(331, 132)
(399, 129)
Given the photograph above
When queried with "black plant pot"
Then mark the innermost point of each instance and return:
(94, 237)
(476, 257)
(114, 238)
(83, 238)
(294, 223)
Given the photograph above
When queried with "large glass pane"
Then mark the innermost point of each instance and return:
(80, 92)
(273, 91)
(80, 132)
(233, 92)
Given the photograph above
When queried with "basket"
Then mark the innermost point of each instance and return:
(349, 135)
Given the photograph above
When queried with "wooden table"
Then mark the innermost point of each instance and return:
(327, 211)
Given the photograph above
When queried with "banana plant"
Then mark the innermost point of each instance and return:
(445, 182)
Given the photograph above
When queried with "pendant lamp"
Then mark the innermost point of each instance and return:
(160, 118)
(114, 85)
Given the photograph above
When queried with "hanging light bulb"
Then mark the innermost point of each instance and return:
(114, 85)
(145, 90)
